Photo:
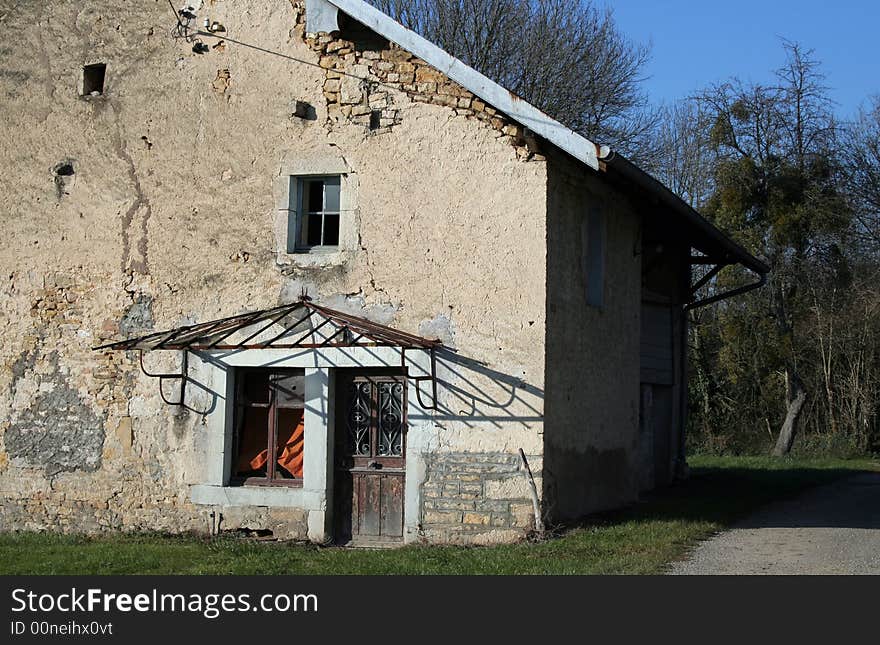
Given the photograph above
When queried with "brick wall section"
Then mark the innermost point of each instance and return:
(361, 78)
(467, 495)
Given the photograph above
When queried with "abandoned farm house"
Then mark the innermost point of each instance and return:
(285, 266)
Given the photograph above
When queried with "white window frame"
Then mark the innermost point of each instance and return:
(296, 166)
(297, 215)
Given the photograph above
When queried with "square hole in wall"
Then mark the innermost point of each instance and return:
(93, 79)
(375, 119)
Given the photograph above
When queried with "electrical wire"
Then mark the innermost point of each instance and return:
(181, 29)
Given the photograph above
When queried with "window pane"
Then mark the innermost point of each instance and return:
(290, 442)
(331, 230)
(253, 442)
(331, 194)
(315, 196)
(255, 388)
(313, 233)
(289, 390)
(304, 229)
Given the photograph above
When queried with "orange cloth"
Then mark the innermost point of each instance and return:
(290, 439)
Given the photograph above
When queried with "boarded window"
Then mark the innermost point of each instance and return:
(314, 213)
(593, 259)
(269, 427)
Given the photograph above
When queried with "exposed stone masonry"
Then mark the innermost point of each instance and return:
(361, 78)
(474, 497)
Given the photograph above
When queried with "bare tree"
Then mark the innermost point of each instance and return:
(862, 159)
(683, 156)
(775, 183)
(566, 57)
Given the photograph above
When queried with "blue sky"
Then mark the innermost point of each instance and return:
(697, 43)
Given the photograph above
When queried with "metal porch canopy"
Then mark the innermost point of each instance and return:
(299, 325)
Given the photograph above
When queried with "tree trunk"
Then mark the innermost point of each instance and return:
(795, 392)
(702, 380)
(797, 396)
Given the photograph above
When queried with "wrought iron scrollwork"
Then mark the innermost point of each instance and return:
(390, 420)
(359, 419)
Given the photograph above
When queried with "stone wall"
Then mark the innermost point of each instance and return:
(77, 455)
(477, 497)
(363, 72)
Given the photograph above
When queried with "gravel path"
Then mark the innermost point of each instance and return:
(834, 529)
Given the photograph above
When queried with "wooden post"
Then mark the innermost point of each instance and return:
(536, 505)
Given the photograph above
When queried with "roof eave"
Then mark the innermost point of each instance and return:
(321, 17)
(615, 162)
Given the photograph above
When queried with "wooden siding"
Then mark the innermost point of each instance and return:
(656, 345)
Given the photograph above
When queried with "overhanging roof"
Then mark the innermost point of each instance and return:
(299, 325)
(704, 236)
(321, 16)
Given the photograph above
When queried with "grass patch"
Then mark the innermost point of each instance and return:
(641, 539)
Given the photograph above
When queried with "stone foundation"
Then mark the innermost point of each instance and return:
(470, 497)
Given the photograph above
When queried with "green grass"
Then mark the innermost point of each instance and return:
(641, 539)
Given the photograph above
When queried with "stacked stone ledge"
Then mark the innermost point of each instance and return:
(476, 497)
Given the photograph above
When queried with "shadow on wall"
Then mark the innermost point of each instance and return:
(472, 393)
(469, 392)
(203, 402)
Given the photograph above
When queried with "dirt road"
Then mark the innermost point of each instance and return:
(834, 529)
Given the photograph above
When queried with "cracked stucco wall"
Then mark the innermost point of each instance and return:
(170, 217)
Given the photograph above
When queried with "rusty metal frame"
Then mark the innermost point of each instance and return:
(351, 331)
(183, 376)
(209, 335)
(418, 379)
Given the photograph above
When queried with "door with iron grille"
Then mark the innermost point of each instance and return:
(370, 449)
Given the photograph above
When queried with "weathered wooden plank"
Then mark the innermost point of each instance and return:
(369, 502)
(392, 505)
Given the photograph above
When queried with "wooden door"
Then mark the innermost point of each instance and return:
(370, 449)
(658, 370)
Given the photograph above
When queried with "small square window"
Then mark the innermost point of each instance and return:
(93, 79)
(314, 213)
